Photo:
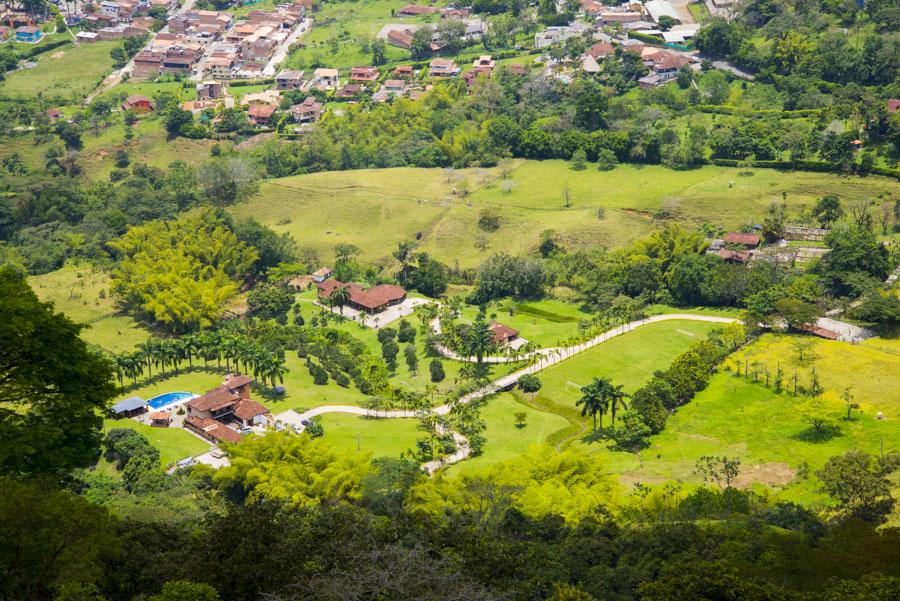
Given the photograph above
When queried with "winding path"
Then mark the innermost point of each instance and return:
(542, 359)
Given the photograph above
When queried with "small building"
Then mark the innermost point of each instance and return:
(322, 274)
(893, 105)
(601, 50)
(289, 79)
(400, 38)
(138, 104)
(28, 34)
(442, 67)
(394, 87)
(404, 71)
(414, 10)
(351, 90)
(502, 334)
(307, 111)
(249, 413)
(54, 114)
(212, 430)
(160, 419)
(129, 407)
(590, 65)
(87, 37)
(261, 114)
(742, 239)
(325, 79)
(364, 74)
(484, 62)
(660, 8)
(210, 90)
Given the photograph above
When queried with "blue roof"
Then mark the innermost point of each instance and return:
(129, 404)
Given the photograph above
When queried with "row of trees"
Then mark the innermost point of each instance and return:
(239, 352)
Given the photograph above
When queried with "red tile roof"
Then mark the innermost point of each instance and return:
(215, 399)
(160, 416)
(237, 381)
(751, 240)
(248, 409)
(601, 49)
(263, 111)
(210, 428)
(893, 105)
(372, 298)
(502, 333)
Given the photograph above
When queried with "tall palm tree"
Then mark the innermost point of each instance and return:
(146, 351)
(480, 340)
(340, 296)
(120, 363)
(594, 400)
(190, 345)
(616, 397)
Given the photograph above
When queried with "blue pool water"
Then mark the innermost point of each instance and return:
(168, 398)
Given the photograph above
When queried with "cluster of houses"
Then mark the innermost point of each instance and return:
(613, 29)
(18, 25)
(211, 44)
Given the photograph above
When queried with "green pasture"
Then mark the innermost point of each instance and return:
(375, 209)
(64, 75)
(81, 291)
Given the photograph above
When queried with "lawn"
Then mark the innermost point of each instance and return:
(506, 440)
(381, 437)
(547, 322)
(871, 369)
(173, 443)
(65, 75)
(353, 26)
(81, 291)
(375, 209)
(738, 418)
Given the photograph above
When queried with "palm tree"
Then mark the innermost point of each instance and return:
(616, 397)
(480, 340)
(146, 351)
(594, 400)
(120, 363)
(190, 345)
(340, 296)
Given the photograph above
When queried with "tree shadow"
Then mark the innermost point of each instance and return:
(595, 437)
(823, 434)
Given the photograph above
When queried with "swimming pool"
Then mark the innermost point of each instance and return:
(168, 398)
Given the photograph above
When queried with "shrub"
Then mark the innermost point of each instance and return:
(437, 370)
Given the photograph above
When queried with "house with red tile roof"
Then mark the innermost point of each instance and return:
(742, 239)
(502, 334)
(370, 300)
(363, 74)
(261, 114)
(138, 104)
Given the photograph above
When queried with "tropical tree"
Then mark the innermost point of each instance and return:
(479, 340)
(340, 296)
(594, 400)
(616, 397)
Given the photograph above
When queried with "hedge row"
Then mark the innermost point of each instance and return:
(723, 109)
(803, 165)
(35, 50)
(237, 83)
(643, 37)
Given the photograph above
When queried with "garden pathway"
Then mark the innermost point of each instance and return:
(542, 359)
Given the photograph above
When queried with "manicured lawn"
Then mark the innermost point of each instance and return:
(63, 75)
(173, 443)
(381, 437)
(546, 322)
(629, 359)
(738, 418)
(375, 209)
(505, 439)
(81, 291)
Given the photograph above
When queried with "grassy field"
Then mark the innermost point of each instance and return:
(82, 292)
(64, 75)
(173, 443)
(381, 437)
(375, 209)
(351, 25)
(505, 439)
(871, 369)
(738, 418)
